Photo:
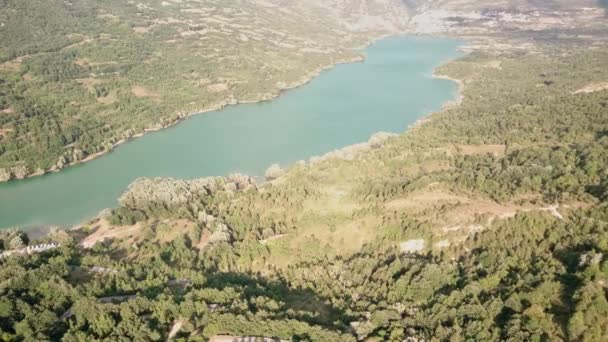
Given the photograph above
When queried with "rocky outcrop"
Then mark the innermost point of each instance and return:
(5, 175)
(20, 172)
(16, 172)
(474, 18)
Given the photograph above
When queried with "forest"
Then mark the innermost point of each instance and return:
(78, 77)
(506, 192)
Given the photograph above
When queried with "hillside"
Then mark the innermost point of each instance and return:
(488, 221)
(77, 78)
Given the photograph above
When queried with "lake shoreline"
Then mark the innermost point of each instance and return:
(335, 154)
(457, 101)
(349, 150)
(182, 116)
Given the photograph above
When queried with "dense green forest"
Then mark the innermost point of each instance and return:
(486, 222)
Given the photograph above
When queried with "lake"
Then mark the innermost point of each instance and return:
(345, 105)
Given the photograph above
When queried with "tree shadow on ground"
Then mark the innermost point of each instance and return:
(299, 304)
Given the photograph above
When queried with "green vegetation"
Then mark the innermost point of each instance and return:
(77, 77)
(506, 191)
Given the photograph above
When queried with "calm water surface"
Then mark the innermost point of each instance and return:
(345, 105)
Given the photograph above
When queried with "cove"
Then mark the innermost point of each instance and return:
(390, 90)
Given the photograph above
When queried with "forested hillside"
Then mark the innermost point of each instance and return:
(486, 222)
(77, 77)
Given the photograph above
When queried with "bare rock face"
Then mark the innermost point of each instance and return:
(61, 163)
(128, 133)
(273, 172)
(20, 172)
(5, 175)
(78, 154)
(105, 213)
(16, 172)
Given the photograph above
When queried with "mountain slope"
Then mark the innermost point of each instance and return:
(486, 222)
(78, 77)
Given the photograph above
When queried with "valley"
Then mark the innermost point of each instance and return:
(487, 219)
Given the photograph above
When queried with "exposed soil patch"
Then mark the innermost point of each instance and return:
(593, 87)
(89, 83)
(81, 62)
(107, 99)
(497, 150)
(176, 229)
(334, 201)
(10, 66)
(141, 29)
(140, 91)
(217, 87)
(87, 62)
(494, 64)
(422, 199)
(175, 329)
(412, 246)
(103, 230)
(5, 131)
(107, 16)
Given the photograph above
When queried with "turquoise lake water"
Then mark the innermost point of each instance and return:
(345, 105)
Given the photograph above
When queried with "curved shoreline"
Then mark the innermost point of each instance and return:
(349, 151)
(182, 116)
(355, 149)
(343, 152)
